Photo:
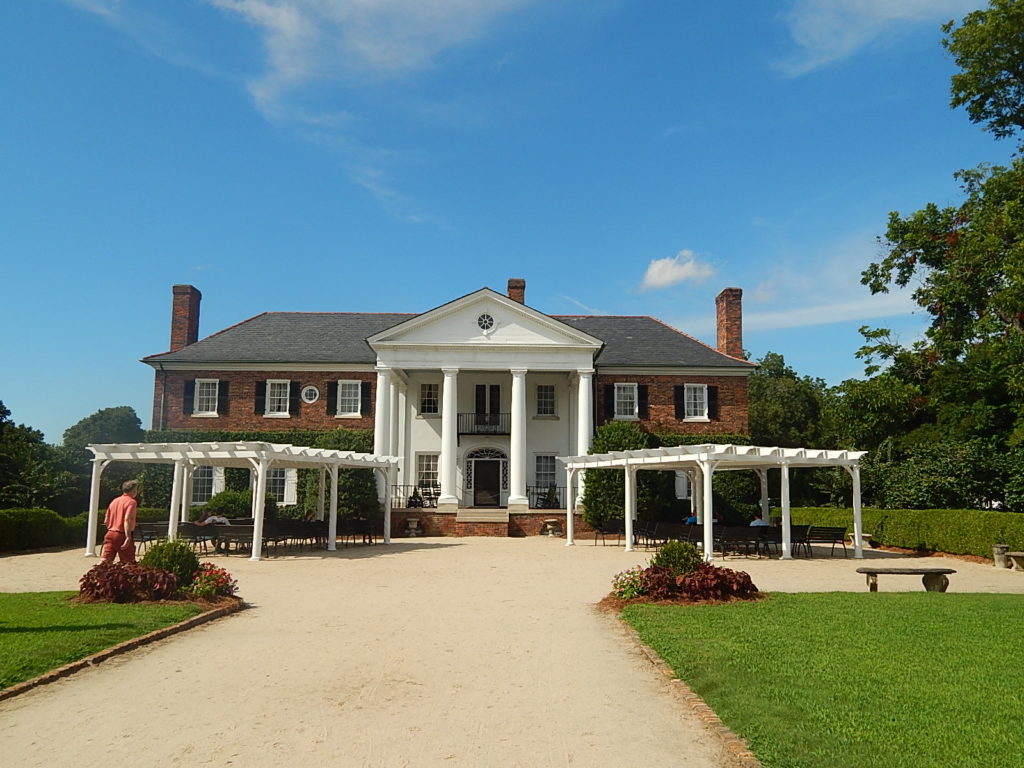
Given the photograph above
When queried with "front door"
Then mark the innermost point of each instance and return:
(486, 483)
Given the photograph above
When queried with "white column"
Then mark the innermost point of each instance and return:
(393, 420)
(381, 421)
(630, 505)
(176, 489)
(584, 419)
(858, 525)
(320, 497)
(332, 525)
(517, 442)
(570, 520)
(787, 534)
(98, 465)
(449, 437)
(382, 409)
(259, 497)
(709, 511)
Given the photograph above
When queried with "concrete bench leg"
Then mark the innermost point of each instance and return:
(872, 582)
(935, 582)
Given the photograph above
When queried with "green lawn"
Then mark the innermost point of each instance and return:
(40, 631)
(886, 680)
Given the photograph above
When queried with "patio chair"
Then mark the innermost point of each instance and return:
(609, 528)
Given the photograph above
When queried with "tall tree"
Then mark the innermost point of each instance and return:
(785, 408)
(988, 46)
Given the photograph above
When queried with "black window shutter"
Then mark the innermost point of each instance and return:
(365, 395)
(609, 402)
(481, 398)
(261, 398)
(223, 398)
(190, 397)
(680, 401)
(495, 398)
(713, 403)
(641, 397)
(295, 401)
(332, 398)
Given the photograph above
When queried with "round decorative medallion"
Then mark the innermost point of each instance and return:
(485, 321)
(310, 394)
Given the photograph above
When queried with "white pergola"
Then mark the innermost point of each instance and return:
(258, 457)
(700, 462)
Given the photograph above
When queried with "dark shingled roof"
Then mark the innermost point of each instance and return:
(340, 337)
(644, 341)
(290, 337)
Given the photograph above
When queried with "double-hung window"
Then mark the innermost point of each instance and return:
(625, 401)
(349, 398)
(205, 403)
(281, 484)
(426, 470)
(544, 472)
(278, 392)
(696, 399)
(202, 484)
(545, 399)
(429, 399)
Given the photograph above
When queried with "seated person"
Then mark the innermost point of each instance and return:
(691, 520)
(208, 518)
(757, 521)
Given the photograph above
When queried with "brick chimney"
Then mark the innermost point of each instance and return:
(517, 289)
(729, 316)
(184, 316)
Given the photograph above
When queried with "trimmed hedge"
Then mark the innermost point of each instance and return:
(37, 528)
(957, 531)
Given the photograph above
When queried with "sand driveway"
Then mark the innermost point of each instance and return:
(430, 652)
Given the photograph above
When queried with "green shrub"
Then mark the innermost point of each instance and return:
(31, 529)
(176, 557)
(957, 531)
(237, 504)
(212, 581)
(630, 583)
(678, 557)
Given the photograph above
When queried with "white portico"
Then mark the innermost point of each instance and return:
(479, 396)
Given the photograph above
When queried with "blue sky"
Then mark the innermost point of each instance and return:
(623, 156)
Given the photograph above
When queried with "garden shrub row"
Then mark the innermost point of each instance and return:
(957, 531)
(38, 528)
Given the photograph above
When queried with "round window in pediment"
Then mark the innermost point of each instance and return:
(486, 322)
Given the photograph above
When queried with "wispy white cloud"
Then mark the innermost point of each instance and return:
(583, 306)
(825, 31)
(309, 41)
(672, 270)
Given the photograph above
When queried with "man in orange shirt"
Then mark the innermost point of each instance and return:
(120, 521)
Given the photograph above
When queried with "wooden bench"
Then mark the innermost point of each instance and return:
(934, 579)
(818, 534)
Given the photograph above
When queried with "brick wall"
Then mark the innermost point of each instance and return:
(241, 411)
(434, 523)
(732, 403)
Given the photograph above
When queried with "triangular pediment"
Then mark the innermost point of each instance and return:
(486, 319)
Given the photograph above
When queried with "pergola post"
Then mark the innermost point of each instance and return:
(697, 495)
(630, 512)
(858, 524)
(332, 525)
(176, 492)
(762, 475)
(787, 533)
(98, 465)
(570, 519)
(186, 495)
(389, 484)
(708, 470)
(259, 501)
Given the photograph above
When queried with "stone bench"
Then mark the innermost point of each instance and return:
(1016, 560)
(934, 579)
